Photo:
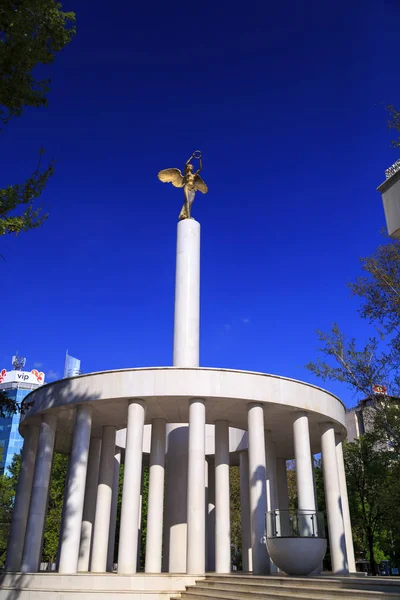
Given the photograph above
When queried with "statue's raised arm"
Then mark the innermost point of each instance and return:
(190, 181)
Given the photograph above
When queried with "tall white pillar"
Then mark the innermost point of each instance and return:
(103, 504)
(337, 541)
(187, 295)
(271, 485)
(22, 499)
(345, 509)
(128, 537)
(304, 475)
(247, 558)
(270, 460)
(75, 492)
(304, 467)
(114, 508)
(222, 500)
(175, 511)
(89, 506)
(206, 508)
(258, 492)
(40, 489)
(139, 527)
(211, 518)
(195, 493)
(155, 504)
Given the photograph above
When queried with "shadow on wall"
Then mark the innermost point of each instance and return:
(343, 549)
(20, 581)
(260, 557)
(175, 490)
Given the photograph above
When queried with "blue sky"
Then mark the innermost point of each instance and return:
(286, 102)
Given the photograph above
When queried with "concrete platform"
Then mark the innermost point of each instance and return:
(107, 586)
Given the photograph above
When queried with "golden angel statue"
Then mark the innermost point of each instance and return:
(190, 181)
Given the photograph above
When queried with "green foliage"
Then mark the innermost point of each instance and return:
(55, 504)
(369, 480)
(235, 516)
(7, 493)
(145, 503)
(394, 122)
(54, 507)
(31, 33)
(21, 197)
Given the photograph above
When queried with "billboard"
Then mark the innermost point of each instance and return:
(34, 376)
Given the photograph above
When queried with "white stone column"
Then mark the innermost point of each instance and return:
(40, 489)
(128, 537)
(89, 506)
(222, 508)
(206, 506)
(271, 485)
(345, 509)
(175, 511)
(211, 518)
(139, 527)
(195, 561)
(22, 499)
(155, 504)
(258, 493)
(337, 541)
(101, 529)
(247, 558)
(270, 460)
(318, 570)
(187, 295)
(304, 475)
(75, 492)
(114, 508)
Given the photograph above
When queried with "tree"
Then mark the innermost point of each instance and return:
(378, 361)
(368, 473)
(394, 122)
(8, 487)
(235, 516)
(7, 493)
(55, 507)
(31, 34)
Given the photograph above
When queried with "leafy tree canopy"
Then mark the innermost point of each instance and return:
(31, 34)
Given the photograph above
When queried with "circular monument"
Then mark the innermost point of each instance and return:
(188, 424)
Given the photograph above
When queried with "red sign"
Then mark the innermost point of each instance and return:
(379, 389)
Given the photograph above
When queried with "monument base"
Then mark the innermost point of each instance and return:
(107, 586)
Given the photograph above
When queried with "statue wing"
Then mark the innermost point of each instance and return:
(200, 185)
(173, 176)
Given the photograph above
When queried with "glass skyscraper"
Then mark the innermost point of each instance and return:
(16, 384)
(10, 441)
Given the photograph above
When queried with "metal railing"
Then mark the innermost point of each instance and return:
(295, 523)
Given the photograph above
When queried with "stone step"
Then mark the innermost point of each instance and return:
(377, 584)
(312, 591)
(205, 593)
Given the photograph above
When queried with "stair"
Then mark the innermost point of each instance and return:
(249, 587)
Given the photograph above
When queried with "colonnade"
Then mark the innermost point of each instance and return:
(89, 517)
